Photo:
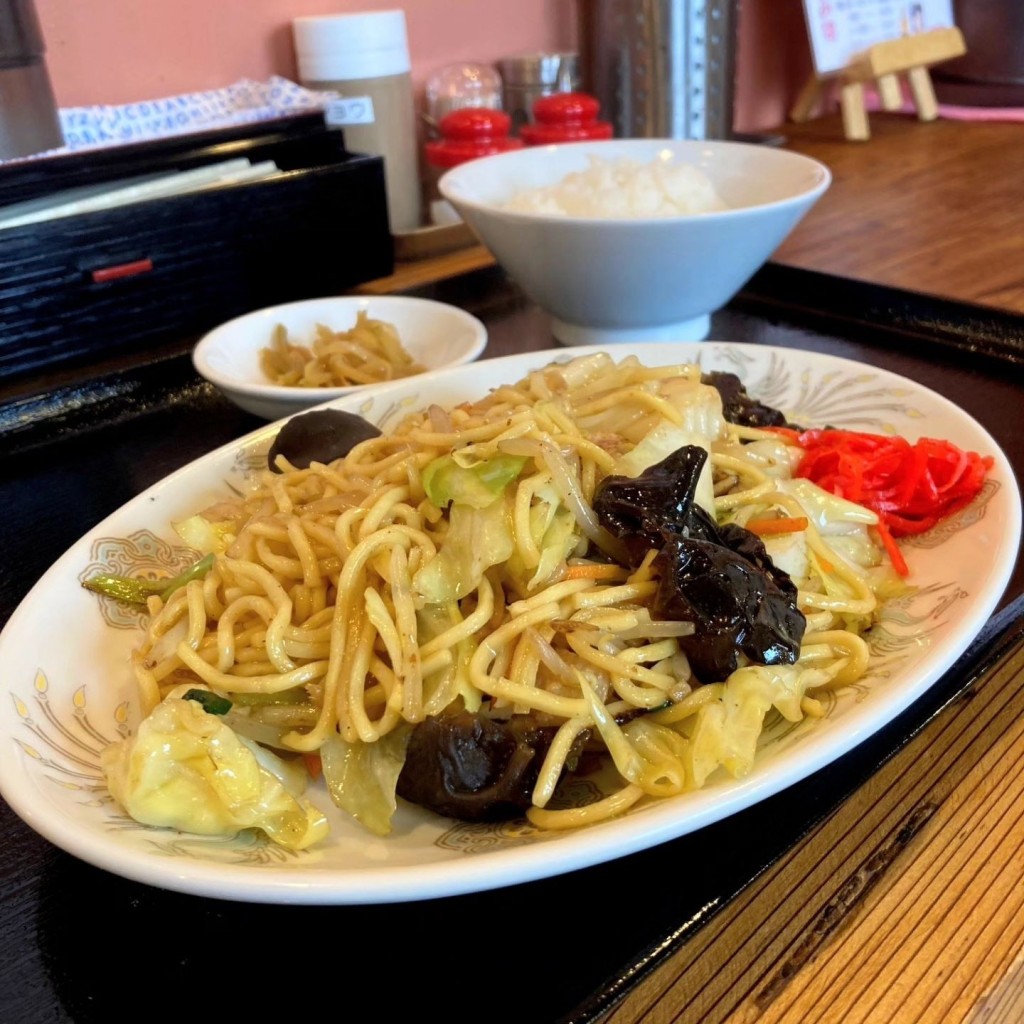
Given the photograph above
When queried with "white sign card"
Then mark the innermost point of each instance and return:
(841, 30)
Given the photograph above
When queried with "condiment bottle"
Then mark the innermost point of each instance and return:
(364, 58)
(455, 86)
(565, 117)
(466, 134)
(528, 76)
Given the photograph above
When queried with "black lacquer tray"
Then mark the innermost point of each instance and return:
(78, 944)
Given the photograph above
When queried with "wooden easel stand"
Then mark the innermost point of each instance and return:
(883, 63)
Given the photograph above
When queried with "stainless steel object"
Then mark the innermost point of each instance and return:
(661, 68)
(527, 77)
(28, 113)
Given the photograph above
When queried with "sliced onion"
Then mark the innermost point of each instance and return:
(563, 480)
(551, 659)
(440, 420)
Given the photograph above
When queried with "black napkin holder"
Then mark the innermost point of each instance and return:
(138, 277)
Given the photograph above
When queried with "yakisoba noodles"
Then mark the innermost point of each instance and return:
(368, 353)
(454, 570)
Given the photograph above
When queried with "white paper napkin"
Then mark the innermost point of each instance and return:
(244, 102)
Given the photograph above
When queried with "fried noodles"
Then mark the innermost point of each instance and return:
(352, 602)
(368, 353)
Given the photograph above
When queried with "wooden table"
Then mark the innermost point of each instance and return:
(934, 207)
(904, 905)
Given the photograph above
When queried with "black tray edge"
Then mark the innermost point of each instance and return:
(964, 331)
(961, 329)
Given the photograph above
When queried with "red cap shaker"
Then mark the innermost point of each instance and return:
(468, 133)
(565, 117)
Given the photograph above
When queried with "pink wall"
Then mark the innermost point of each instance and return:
(116, 51)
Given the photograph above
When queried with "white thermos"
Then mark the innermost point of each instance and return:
(364, 59)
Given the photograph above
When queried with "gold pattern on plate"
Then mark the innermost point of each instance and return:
(143, 554)
(481, 836)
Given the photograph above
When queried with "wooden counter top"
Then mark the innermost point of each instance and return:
(934, 207)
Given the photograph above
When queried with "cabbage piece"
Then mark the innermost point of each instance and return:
(700, 407)
(580, 371)
(477, 538)
(555, 534)
(206, 537)
(558, 542)
(661, 442)
(450, 682)
(789, 552)
(725, 732)
(831, 514)
(362, 777)
(665, 755)
(772, 457)
(857, 548)
(445, 480)
(186, 769)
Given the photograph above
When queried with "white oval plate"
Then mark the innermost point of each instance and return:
(71, 690)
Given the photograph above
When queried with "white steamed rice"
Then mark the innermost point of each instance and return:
(622, 189)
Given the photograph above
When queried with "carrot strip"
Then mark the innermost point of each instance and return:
(594, 571)
(892, 549)
(791, 435)
(314, 766)
(773, 527)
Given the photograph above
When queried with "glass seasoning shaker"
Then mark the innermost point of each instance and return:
(466, 134)
(565, 117)
(460, 85)
(529, 76)
(364, 58)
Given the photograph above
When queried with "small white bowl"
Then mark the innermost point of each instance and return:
(435, 334)
(607, 279)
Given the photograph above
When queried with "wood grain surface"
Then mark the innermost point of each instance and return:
(904, 905)
(934, 207)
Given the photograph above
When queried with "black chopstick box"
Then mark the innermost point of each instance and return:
(134, 278)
